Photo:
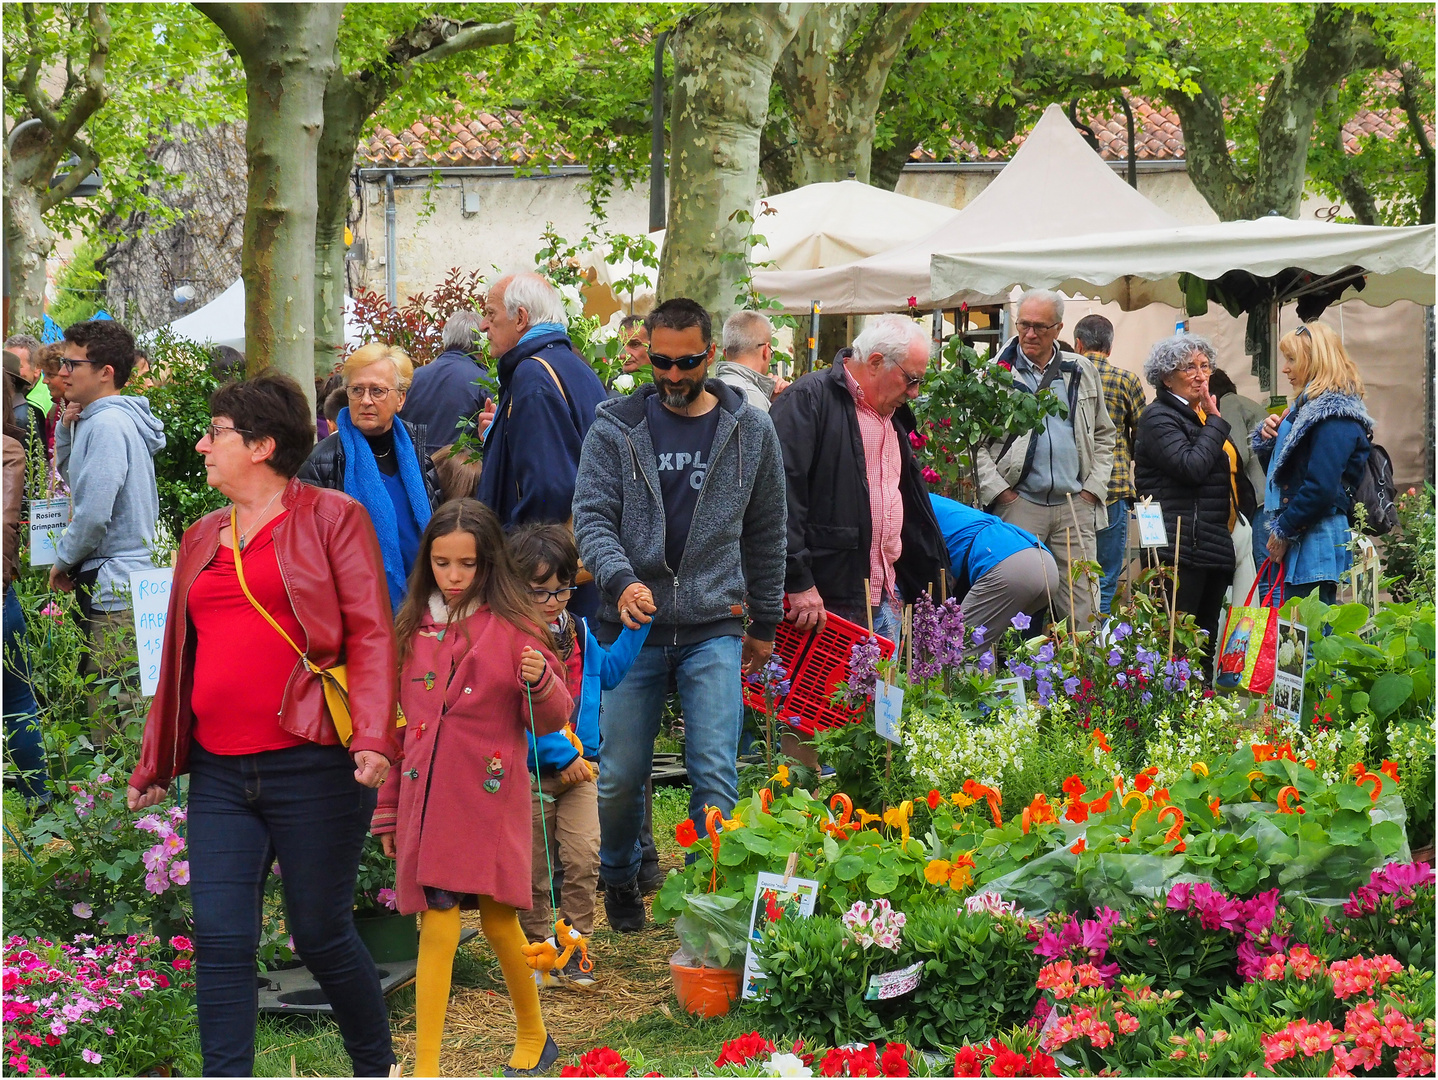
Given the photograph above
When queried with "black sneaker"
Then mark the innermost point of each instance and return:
(624, 906)
(576, 975)
(650, 879)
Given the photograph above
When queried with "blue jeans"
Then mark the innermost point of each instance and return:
(303, 806)
(888, 616)
(710, 695)
(1260, 536)
(1112, 544)
(23, 742)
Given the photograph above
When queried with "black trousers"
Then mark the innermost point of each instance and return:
(1200, 594)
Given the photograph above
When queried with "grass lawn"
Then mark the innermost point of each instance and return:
(631, 1009)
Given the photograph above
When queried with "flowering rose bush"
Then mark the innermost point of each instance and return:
(97, 1008)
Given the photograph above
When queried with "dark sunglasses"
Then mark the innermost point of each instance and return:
(683, 363)
(1302, 330)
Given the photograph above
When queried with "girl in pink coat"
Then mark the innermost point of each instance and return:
(474, 668)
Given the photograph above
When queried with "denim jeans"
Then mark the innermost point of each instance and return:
(710, 695)
(302, 806)
(23, 744)
(1260, 537)
(1112, 543)
(888, 615)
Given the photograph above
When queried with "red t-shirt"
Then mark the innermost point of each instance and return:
(241, 664)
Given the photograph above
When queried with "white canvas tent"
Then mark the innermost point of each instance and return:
(222, 321)
(1138, 268)
(1055, 186)
(815, 226)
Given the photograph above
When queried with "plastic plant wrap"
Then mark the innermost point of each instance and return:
(713, 930)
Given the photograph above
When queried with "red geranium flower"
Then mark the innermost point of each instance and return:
(968, 1063)
(894, 1061)
(601, 1061)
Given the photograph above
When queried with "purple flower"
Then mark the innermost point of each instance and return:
(1022, 670)
(1045, 653)
(1071, 685)
(863, 668)
(1146, 697)
(986, 662)
(387, 898)
(1121, 631)
(1115, 658)
(1020, 621)
(979, 632)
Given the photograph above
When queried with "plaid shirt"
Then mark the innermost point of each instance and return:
(1123, 394)
(883, 463)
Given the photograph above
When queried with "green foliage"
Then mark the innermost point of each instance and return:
(1409, 551)
(968, 402)
(180, 399)
(80, 285)
(978, 976)
(166, 65)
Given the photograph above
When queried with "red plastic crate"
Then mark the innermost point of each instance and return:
(814, 665)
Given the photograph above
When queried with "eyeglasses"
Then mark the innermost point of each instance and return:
(69, 365)
(683, 363)
(911, 380)
(1036, 327)
(543, 596)
(214, 431)
(378, 393)
(1303, 330)
(1195, 369)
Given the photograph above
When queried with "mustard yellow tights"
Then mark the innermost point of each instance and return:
(438, 940)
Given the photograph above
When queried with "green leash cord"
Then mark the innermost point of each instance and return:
(539, 791)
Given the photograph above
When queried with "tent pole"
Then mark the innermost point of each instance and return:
(813, 363)
(1430, 386)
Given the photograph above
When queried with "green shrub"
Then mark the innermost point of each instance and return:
(978, 977)
(1409, 551)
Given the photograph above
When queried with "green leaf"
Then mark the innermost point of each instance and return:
(848, 867)
(1358, 702)
(1389, 692)
(1348, 618)
(1328, 649)
(883, 881)
(1349, 828)
(1352, 797)
(831, 850)
(1388, 835)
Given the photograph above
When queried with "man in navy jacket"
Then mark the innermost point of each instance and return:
(448, 394)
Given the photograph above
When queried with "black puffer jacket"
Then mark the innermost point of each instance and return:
(830, 525)
(1181, 464)
(325, 467)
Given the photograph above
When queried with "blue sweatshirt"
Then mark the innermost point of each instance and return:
(603, 670)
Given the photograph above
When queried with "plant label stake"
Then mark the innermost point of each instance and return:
(868, 608)
(1173, 607)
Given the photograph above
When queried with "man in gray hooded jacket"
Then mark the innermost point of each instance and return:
(679, 512)
(105, 449)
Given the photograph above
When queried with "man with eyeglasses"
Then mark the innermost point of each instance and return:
(859, 510)
(105, 449)
(679, 496)
(1054, 482)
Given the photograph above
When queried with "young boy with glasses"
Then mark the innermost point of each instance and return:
(566, 802)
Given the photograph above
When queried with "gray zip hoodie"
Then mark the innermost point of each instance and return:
(108, 459)
(737, 541)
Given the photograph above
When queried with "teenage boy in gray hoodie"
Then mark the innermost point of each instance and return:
(680, 514)
(105, 448)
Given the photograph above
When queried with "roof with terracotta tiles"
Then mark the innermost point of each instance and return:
(488, 139)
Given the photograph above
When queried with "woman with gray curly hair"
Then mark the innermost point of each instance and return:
(1185, 460)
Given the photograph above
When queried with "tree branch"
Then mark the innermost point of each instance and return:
(30, 81)
(94, 94)
(89, 162)
(472, 37)
(1410, 82)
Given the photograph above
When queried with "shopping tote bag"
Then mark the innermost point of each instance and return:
(1250, 639)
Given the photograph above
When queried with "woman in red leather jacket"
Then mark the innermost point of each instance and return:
(239, 710)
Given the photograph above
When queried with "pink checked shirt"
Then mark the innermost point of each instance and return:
(882, 463)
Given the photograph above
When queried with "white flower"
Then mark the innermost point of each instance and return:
(82, 910)
(573, 301)
(624, 382)
(786, 1065)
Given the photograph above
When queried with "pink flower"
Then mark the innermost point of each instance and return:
(174, 843)
(21, 1063)
(154, 858)
(181, 944)
(1414, 1062)
(1126, 1024)
(930, 475)
(91, 1056)
(388, 898)
(180, 872)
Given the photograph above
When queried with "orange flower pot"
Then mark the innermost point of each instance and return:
(705, 991)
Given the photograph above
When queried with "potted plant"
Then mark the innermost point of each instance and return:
(389, 936)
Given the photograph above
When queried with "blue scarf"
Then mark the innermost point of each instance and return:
(364, 483)
(539, 330)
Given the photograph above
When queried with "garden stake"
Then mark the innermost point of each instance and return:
(1068, 541)
(1173, 608)
(18, 845)
(868, 608)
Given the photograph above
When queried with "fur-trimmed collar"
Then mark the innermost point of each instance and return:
(1309, 414)
(440, 613)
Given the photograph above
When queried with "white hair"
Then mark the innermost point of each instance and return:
(1048, 296)
(745, 332)
(891, 336)
(536, 295)
(461, 332)
(1173, 353)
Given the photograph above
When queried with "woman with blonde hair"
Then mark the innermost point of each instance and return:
(1314, 455)
(380, 460)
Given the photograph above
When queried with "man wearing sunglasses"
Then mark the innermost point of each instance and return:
(680, 495)
(105, 449)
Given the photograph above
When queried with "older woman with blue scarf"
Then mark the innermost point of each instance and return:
(380, 460)
(1315, 454)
